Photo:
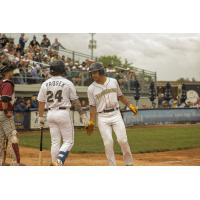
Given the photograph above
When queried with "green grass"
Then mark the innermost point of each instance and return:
(147, 139)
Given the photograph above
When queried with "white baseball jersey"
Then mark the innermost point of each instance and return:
(57, 92)
(104, 96)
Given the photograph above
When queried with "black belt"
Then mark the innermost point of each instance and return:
(60, 108)
(109, 110)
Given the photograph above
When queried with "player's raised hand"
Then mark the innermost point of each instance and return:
(133, 109)
(90, 127)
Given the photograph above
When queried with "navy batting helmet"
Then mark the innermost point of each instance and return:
(6, 67)
(97, 67)
(57, 67)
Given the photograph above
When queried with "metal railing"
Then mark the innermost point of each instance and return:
(73, 55)
(82, 78)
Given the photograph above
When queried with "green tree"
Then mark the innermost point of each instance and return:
(112, 60)
(193, 79)
(183, 80)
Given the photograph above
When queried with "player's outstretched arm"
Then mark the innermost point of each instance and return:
(92, 113)
(126, 102)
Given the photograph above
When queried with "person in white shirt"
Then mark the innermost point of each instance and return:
(104, 95)
(57, 93)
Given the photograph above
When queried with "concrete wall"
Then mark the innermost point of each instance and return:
(25, 90)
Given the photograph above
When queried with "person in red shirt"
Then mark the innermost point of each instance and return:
(8, 133)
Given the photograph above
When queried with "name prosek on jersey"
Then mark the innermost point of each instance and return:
(55, 83)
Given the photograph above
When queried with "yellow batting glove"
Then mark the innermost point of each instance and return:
(133, 109)
(90, 127)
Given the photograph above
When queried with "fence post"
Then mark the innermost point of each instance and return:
(73, 57)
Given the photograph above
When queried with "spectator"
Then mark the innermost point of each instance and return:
(21, 106)
(34, 43)
(45, 43)
(21, 76)
(56, 45)
(83, 66)
(22, 42)
(84, 105)
(3, 41)
(28, 104)
(18, 49)
(34, 102)
(63, 58)
(17, 77)
(160, 100)
(34, 74)
(31, 65)
(10, 46)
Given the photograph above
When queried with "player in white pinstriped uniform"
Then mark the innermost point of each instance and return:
(58, 93)
(103, 95)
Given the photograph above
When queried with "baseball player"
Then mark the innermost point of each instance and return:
(8, 133)
(57, 93)
(103, 95)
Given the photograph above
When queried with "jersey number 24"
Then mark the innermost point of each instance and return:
(51, 97)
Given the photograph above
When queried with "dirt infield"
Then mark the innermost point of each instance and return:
(190, 157)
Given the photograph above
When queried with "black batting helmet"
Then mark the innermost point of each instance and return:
(6, 67)
(57, 67)
(97, 67)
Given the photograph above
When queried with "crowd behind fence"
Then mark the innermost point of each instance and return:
(32, 60)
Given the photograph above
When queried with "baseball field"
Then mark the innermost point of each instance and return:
(151, 145)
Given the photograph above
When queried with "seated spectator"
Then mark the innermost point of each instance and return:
(28, 104)
(21, 75)
(10, 46)
(84, 105)
(29, 76)
(34, 74)
(17, 77)
(3, 41)
(74, 68)
(34, 102)
(160, 100)
(171, 103)
(18, 49)
(175, 104)
(63, 58)
(21, 106)
(83, 66)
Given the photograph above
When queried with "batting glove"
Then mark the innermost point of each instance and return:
(41, 121)
(90, 127)
(133, 109)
